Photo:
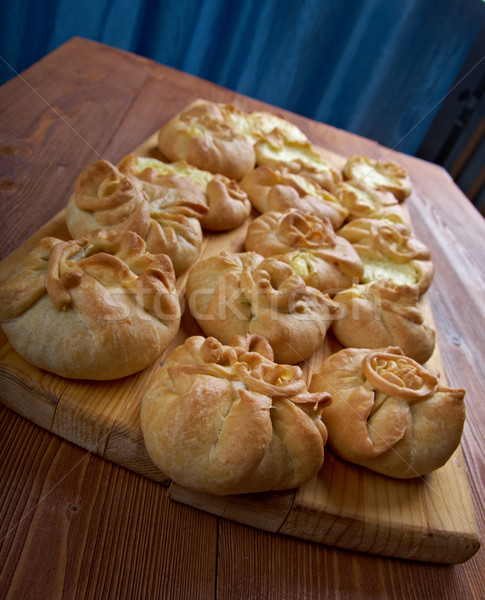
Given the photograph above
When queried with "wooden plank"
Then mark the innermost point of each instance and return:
(429, 519)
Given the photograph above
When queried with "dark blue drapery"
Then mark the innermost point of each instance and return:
(379, 68)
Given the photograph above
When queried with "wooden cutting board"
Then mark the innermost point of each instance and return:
(427, 519)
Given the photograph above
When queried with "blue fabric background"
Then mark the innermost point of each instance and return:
(379, 68)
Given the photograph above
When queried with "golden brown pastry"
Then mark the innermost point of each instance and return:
(381, 314)
(98, 307)
(278, 151)
(165, 213)
(259, 124)
(226, 419)
(202, 135)
(271, 190)
(309, 244)
(390, 251)
(383, 175)
(364, 202)
(240, 293)
(228, 205)
(388, 413)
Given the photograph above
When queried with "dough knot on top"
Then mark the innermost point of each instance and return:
(97, 307)
(271, 189)
(365, 202)
(390, 251)
(383, 313)
(226, 419)
(164, 211)
(239, 293)
(388, 412)
(309, 244)
(306, 230)
(384, 175)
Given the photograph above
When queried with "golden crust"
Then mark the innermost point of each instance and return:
(226, 419)
(388, 413)
(383, 314)
(227, 204)
(309, 244)
(278, 151)
(236, 294)
(98, 307)
(364, 202)
(384, 175)
(390, 251)
(279, 190)
(164, 211)
(104, 198)
(202, 136)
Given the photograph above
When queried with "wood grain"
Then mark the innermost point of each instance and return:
(157, 548)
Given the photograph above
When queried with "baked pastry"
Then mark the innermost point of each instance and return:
(381, 314)
(228, 205)
(240, 293)
(384, 175)
(364, 202)
(256, 124)
(390, 251)
(203, 136)
(278, 151)
(98, 307)
(309, 244)
(388, 413)
(226, 419)
(164, 212)
(279, 190)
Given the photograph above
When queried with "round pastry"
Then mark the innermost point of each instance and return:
(271, 190)
(381, 314)
(364, 202)
(201, 135)
(309, 244)
(389, 251)
(388, 413)
(165, 213)
(228, 206)
(383, 175)
(236, 294)
(228, 420)
(98, 307)
(279, 151)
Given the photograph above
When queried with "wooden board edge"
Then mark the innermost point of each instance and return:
(424, 544)
(266, 511)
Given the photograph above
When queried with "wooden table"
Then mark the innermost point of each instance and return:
(74, 525)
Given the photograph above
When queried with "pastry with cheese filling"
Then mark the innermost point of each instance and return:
(228, 205)
(384, 175)
(240, 293)
(278, 151)
(390, 251)
(97, 307)
(388, 413)
(258, 124)
(381, 314)
(279, 190)
(165, 213)
(202, 135)
(309, 244)
(226, 419)
(364, 202)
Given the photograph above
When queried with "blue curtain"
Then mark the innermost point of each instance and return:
(379, 68)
